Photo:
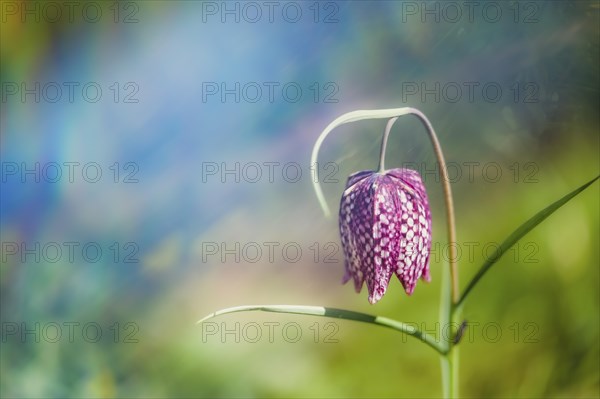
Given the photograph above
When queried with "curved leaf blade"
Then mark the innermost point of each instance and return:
(336, 314)
(518, 234)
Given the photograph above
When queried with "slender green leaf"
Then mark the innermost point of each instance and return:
(337, 314)
(518, 234)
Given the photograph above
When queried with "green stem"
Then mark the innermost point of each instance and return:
(445, 312)
(450, 315)
(455, 374)
(454, 355)
(446, 372)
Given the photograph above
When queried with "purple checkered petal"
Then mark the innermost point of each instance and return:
(385, 228)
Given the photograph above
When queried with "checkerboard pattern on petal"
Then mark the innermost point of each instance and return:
(385, 227)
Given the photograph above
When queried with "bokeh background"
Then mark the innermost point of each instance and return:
(540, 133)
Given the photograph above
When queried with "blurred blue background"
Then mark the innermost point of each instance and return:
(163, 131)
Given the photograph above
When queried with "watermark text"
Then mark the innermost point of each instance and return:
(89, 332)
(68, 252)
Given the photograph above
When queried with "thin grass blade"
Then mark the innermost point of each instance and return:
(336, 314)
(518, 234)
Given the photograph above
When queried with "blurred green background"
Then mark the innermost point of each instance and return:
(534, 318)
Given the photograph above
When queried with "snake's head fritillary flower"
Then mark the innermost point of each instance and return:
(385, 226)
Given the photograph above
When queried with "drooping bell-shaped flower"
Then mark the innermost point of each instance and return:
(385, 219)
(385, 227)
